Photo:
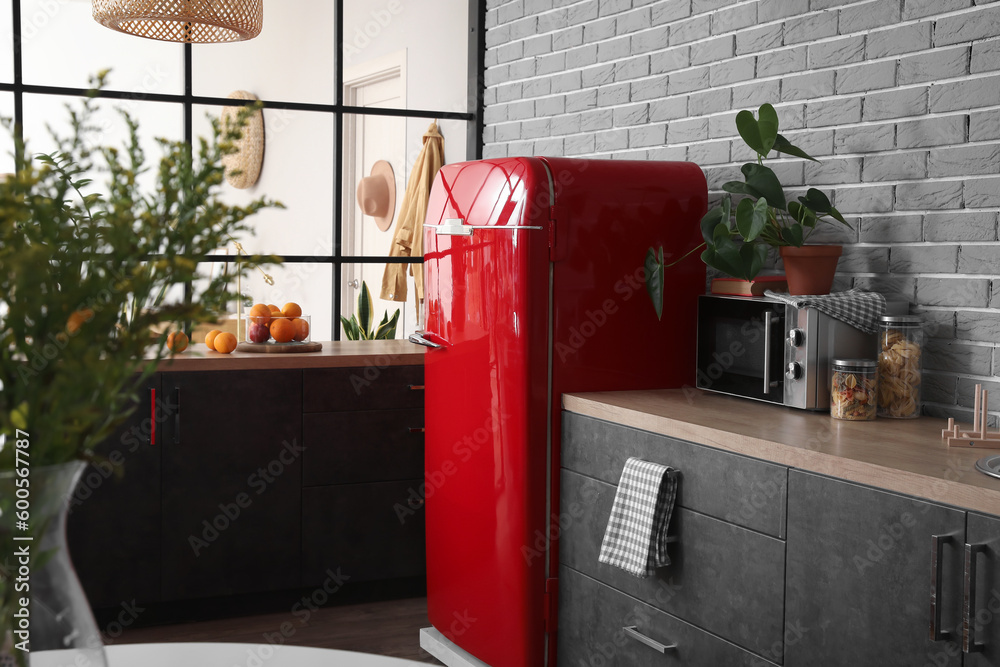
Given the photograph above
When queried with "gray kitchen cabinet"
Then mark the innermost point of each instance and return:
(723, 578)
(859, 576)
(982, 555)
(601, 626)
(725, 581)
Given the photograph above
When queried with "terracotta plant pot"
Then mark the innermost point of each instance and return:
(810, 269)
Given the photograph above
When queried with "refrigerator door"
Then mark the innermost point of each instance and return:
(486, 274)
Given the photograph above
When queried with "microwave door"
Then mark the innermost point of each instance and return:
(741, 348)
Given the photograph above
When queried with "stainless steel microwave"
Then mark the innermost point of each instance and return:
(764, 349)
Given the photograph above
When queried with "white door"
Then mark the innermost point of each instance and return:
(367, 139)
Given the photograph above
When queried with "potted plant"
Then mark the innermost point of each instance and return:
(85, 275)
(360, 327)
(737, 240)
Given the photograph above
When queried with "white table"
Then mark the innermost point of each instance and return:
(183, 654)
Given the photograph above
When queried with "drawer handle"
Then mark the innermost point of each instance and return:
(937, 578)
(969, 644)
(631, 631)
(415, 387)
(416, 429)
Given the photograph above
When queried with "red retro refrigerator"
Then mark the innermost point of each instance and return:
(534, 286)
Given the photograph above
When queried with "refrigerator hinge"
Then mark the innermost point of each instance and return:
(557, 249)
(551, 605)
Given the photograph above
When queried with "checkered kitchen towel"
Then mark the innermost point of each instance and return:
(859, 308)
(636, 537)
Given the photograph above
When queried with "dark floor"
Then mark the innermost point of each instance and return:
(384, 628)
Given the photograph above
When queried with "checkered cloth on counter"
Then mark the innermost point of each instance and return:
(859, 308)
(636, 537)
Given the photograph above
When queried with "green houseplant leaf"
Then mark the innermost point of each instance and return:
(654, 279)
(751, 218)
(758, 133)
(782, 145)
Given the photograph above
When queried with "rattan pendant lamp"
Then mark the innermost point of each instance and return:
(188, 21)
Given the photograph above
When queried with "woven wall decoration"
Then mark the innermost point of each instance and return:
(243, 167)
(189, 21)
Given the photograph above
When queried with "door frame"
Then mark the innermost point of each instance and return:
(383, 68)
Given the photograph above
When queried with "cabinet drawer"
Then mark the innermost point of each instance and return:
(366, 446)
(363, 388)
(734, 488)
(368, 531)
(591, 621)
(723, 578)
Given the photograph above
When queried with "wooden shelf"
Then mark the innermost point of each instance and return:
(339, 354)
(901, 455)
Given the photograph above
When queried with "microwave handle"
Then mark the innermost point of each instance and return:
(769, 320)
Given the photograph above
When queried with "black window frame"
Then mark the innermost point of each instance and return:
(473, 118)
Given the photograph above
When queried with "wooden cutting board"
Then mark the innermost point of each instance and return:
(280, 348)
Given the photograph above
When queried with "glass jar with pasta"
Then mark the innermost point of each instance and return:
(853, 393)
(900, 355)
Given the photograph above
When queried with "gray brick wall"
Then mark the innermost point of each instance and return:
(900, 100)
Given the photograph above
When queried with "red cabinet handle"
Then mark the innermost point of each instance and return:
(416, 429)
(415, 387)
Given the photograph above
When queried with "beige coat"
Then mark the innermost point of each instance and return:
(408, 240)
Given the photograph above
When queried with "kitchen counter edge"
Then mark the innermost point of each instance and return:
(335, 354)
(904, 456)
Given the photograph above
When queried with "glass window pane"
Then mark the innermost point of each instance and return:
(398, 141)
(63, 46)
(308, 284)
(156, 119)
(292, 60)
(431, 45)
(6, 44)
(298, 171)
(371, 275)
(6, 138)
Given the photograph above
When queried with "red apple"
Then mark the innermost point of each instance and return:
(258, 333)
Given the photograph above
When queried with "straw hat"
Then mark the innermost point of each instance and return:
(377, 194)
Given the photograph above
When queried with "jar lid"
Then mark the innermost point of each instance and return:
(855, 364)
(901, 319)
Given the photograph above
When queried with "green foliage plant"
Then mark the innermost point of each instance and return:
(86, 273)
(359, 327)
(737, 239)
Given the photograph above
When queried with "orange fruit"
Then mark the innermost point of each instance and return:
(177, 341)
(282, 330)
(77, 319)
(292, 309)
(275, 311)
(210, 338)
(301, 328)
(225, 342)
(261, 311)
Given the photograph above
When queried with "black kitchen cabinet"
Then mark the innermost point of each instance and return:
(367, 532)
(363, 493)
(231, 489)
(859, 576)
(113, 529)
(363, 446)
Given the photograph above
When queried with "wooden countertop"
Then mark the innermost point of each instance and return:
(337, 354)
(902, 455)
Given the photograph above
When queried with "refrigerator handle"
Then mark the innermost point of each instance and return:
(418, 338)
